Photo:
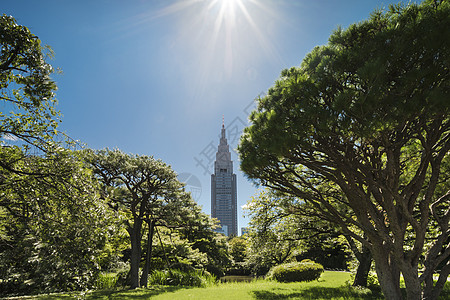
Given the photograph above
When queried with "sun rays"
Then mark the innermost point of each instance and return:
(222, 39)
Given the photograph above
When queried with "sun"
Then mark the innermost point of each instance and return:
(222, 38)
(228, 6)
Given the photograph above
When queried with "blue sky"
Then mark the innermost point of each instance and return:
(155, 77)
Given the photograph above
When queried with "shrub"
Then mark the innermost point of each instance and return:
(239, 269)
(307, 261)
(123, 278)
(332, 256)
(217, 271)
(296, 271)
(195, 278)
(106, 281)
(182, 267)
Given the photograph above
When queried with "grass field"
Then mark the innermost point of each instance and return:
(331, 285)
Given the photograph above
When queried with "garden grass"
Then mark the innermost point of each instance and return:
(331, 285)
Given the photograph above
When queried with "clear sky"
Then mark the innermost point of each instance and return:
(155, 77)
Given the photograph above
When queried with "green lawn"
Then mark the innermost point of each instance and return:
(331, 285)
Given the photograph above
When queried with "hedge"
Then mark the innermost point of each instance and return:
(296, 271)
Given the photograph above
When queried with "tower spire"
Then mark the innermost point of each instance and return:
(223, 127)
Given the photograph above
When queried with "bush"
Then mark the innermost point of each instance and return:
(334, 256)
(239, 269)
(195, 278)
(182, 267)
(217, 271)
(106, 281)
(123, 278)
(296, 271)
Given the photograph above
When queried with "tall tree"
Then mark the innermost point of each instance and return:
(147, 190)
(26, 89)
(367, 116)
(51, 220)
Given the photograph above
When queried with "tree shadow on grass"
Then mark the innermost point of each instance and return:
(144, 293)
(345, 292)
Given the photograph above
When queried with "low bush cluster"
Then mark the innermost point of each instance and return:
(296, 271)
(194, 278)
(106, 281)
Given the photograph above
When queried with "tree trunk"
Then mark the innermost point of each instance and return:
(135, 237)
(364, 258)
(362, 273)
(388, 272)
(148, 257)
(432, 291)
(412, 283)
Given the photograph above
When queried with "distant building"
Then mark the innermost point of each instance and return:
(224, 189)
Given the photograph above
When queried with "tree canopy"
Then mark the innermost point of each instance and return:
(364, 122)
(53, 227)
(26, 89)
(146, 190)
(52, 222)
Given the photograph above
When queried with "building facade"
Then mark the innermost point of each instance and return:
(224, 189)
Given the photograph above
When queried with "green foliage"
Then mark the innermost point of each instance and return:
(372, 280)
(208, 248)
(238, 248)
(330, 253)
(26, 89)
(296, 271)
(53, 227)
(173, 251)
(194, 278)
(147, 191)
(361, 133)
(282, 228)
(106, 281)
(273, 234)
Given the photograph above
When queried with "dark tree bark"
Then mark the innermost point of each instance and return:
(148, 256)
(364, 258)
(135, 237)
(388, 273)
(362, 272)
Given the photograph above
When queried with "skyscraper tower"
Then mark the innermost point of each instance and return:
(223, 189)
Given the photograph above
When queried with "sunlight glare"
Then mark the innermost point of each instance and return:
(225, 40)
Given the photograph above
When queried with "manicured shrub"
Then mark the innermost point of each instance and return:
(296, 271)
